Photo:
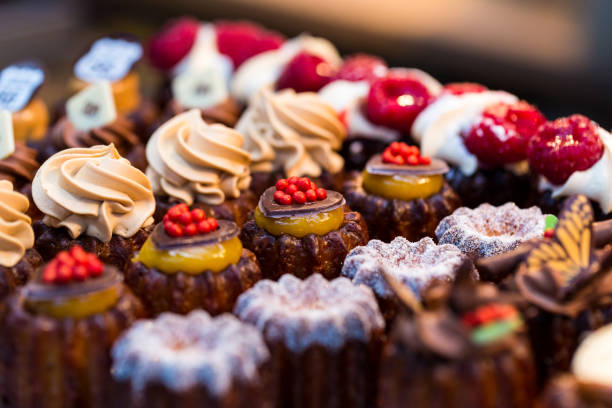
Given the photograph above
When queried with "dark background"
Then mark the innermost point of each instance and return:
(554, 53)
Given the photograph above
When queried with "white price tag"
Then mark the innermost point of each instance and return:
(202, 87)
(108, 59)
(92, 107)
(17, 85)
(7, 138)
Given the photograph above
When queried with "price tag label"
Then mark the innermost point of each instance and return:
(200, 87)
(108, 59)
(7, 138)
(18, 83)
(92, 107)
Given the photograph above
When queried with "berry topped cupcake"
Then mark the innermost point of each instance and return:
(401, 193)
(301, 229)
(483, 135)
(572, 155)
(192, 261)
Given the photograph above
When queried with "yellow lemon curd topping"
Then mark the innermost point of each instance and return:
(402, 186)
(77, 306)
(301, 225)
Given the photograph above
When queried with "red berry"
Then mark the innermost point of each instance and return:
(460, 88)
(64, 273)
(197, 215)
(361, 67)
(395, 148)
(387, 157)
(292, 179)
(182, 207)
(424, 160)
(278, 194)
(49, 274)
(502, 134)
(174, 230)
(311, 195)
(190, 230)
(412, 160)
(282, 184)
(214, 224)
(64, 258)
(291, 188)
(185, 218)
(240, 40)
(299, 197)
(286, 200)
(173, 43)
(549, 233)
(204, 227)
(313, 186)
(305, 72)
(564, 146)
(78, 254)
(321, 194)
(175, 212)
(93, 265)
(80, 273)
(303, 184)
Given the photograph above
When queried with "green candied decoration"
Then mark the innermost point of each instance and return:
(495, 330)
(550, 221)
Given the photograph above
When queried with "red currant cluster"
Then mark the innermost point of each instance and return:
(179, 221)
(298, 190)
(400, 153)
(72, 265)
(487, 314)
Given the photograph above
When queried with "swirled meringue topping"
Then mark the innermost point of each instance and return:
(16, 234)
(93, 191)
(293, 132)
(190, 160)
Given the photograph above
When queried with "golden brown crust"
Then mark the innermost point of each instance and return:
(302, 257)
(387, 219)
(181, 293)
(60, 362)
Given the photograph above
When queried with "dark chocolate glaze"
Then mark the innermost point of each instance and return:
(377, 166)
(227, 230)
(20, 167)
(271, 208)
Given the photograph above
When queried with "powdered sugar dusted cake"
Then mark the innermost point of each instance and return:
(313, 311)
(414, 264)
(488, 230)
(180, 352)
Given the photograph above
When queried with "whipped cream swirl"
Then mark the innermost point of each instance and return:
(16, 234)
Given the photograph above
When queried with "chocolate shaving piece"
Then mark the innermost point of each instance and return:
(376, 166)
(442, 333)
(162, 241)
(39, 291)
(271, 208)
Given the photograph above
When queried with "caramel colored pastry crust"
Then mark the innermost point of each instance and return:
(302, 257)
(226, 112)
(31, 122)
(260, 181)
(61, 362)
(181, 293)
(387, 219)
(18, 275)
(117, 252)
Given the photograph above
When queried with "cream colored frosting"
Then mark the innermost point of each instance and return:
(264, 69)
(16, 234)
(592, 362)
(93, 191)
(594, 182)
(190, 160)
(293, 132)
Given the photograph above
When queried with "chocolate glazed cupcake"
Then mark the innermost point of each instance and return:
(58, 331)
(471, 352)
(302, 238)
(324, 338)
(19, 168)
(404, 199)
(178, 270)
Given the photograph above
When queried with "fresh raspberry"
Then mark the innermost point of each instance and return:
(242, 40)
(396, 99)
(173, 43)
(564, 146)
(361, 67)
(501, 136)
(305, 72)
(460, 88)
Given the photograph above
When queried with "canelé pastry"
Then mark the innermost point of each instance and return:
(572, 155)
(57, 333)
(470, 352)
(94, 198)
(191, 261)
(300, 229)
(292, 134)
(564, 282)
(202, 165)
(324, 339)
(17, 257)
(483, 135)
(401, 193)
(589, 384)
(192, 361)
(19, 84)
(19, 168)
(416, 265)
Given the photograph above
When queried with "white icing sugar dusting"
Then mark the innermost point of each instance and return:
(414, 264)
(488, 230)
(184, 351)
(358, 125)
(302, 313)
(592, 362)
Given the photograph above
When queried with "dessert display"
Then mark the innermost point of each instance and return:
(572, 156)
(18, 259)
(94, 198)
(19, 84)
(203, 165)
(473, 351)
(416, 265)
(58, 331)
(324, 339)
(193, 360)
(291, 134)
(300, 229)
(484, 136)
(401, 193)
(191, 261)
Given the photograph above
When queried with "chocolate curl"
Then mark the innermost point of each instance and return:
(407, 297)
